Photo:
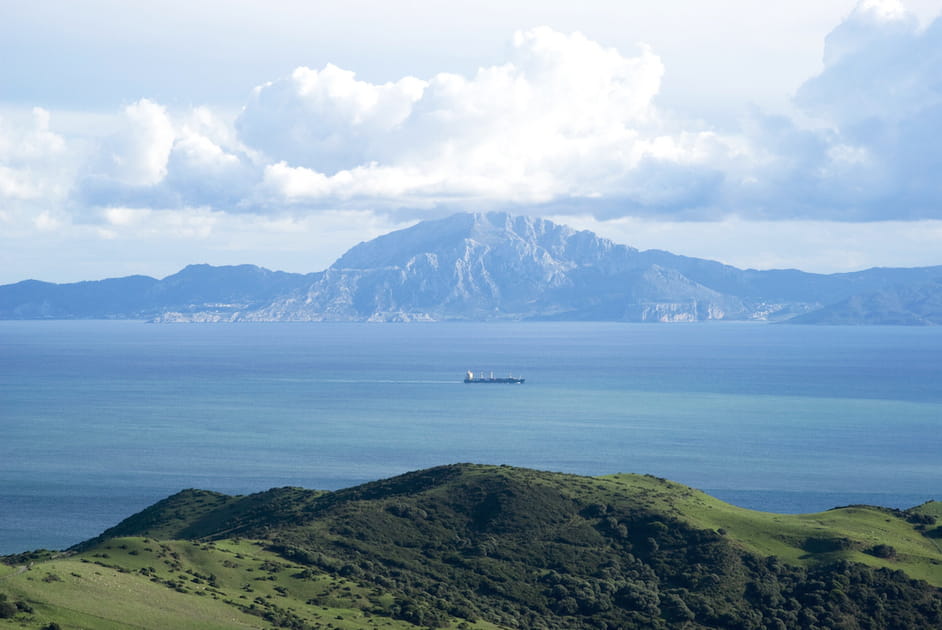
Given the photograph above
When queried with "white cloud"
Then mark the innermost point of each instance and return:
(125, 216)
(882, 10)
(878, 63)
(17, 184)
(161, 159)
(565, 116)
(37, 173)
(371, 182)
(23, 144)
(137, 155)
(45, 222)
(198, 153)
(32, 159)
(209, 165)
(565, 121)
(881, 97)
(325, 119)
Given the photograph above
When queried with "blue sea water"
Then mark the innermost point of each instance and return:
(99, 419)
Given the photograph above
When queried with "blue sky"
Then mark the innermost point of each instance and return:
(138, 137)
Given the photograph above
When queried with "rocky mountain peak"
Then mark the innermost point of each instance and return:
(493, 234)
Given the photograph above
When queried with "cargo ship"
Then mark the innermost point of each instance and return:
(471, 377)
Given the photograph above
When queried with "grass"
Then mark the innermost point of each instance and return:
(929, 508)
(802, 539)
(149, 584)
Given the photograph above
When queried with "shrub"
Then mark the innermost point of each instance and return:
(7, 610)
(882, 551)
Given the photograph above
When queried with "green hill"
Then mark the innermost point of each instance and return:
(481, 546)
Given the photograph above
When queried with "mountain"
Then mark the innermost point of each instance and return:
(101, 299)
(906, 305)
(471, 546)
(491, 266)
(195, 289)
(497, 266)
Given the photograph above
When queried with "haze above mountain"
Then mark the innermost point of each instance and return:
(494, 266)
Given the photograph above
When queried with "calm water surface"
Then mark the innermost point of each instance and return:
(101, 419)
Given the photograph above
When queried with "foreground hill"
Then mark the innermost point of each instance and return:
(492, 547)
(477, 267)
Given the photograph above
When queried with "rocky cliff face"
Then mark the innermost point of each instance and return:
(498, 266)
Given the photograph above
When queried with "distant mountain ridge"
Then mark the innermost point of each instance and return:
(903, 305)
(492, 266)
(195, 288)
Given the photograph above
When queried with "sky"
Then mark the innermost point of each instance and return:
(138, 137)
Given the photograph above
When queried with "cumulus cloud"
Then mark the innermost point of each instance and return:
(325, 119)
(30, 153)
(565, 116)
(208, 165)
(37, 174)
(877, 64)
(881, 97)
(31, 142)
(565, 121)
(157, 159)
(568, 121)
(566, 124)
(137, 155)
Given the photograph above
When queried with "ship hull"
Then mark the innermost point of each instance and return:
(509, 380)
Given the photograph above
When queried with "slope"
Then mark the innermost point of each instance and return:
(904, 305)
(150, 584)
(523, 548)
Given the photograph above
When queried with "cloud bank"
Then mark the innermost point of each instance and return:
(565, 120)
(881, 93)
(564, 126)
(564, 116)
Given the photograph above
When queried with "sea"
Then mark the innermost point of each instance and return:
(99, 419)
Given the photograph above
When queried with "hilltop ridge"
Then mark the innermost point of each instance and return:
(467, 545)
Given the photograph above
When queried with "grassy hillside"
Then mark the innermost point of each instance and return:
(847, 533)
(145, 583)
(483, 546)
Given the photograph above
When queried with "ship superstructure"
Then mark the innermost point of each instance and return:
(481, 377)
